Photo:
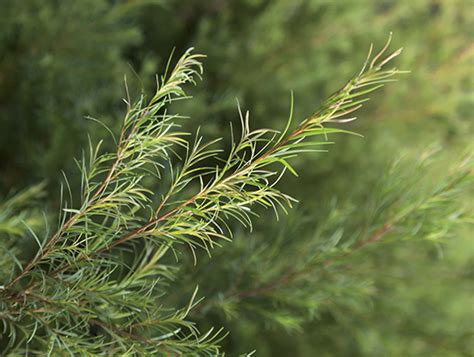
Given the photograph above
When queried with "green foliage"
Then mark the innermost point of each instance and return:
(374, 258)
(95, 285)
(336, 261)
(59, 61)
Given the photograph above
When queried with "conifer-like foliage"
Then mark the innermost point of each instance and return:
(101, 282)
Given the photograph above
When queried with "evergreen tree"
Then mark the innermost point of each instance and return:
(374, 259)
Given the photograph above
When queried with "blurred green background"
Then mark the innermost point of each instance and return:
(62, 60)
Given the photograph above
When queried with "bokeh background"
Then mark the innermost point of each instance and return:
(62, 60)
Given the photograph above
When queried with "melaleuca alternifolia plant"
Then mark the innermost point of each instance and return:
(98, 282)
